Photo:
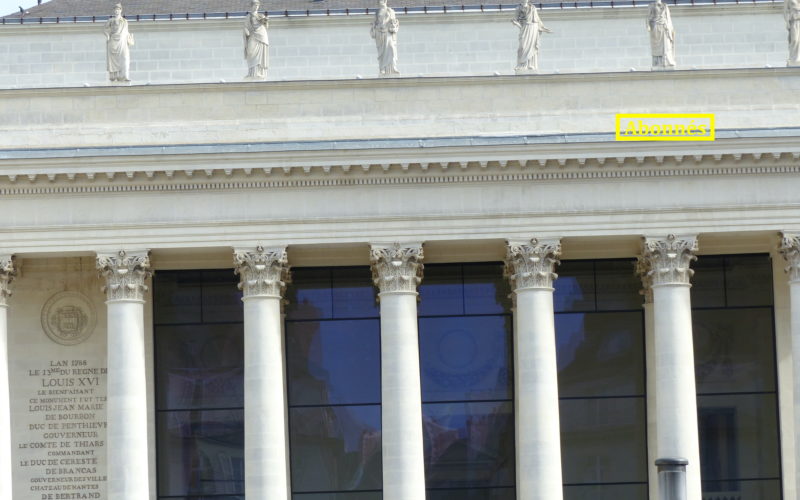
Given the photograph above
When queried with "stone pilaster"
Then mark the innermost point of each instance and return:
(125, 274)
(530, 268)
(263, 274)
(789, 246)
(396, 271)
(7, 274)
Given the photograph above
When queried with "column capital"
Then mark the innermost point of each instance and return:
(396, 267)
(642, 269)
(125, 273)
(789, 246)
(667, 260)
(531, 263)
(263, 272)
(7, 275)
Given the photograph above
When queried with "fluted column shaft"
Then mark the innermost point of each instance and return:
(128, 471)
(397, 270)
(530, 267)
(6, 276)
(790, 248)
(668, 272)
(263, 276)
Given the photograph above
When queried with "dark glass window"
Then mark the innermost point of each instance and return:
(199, 385)
(334, 383)
(734, 349)
(601, 377)
(466, 363)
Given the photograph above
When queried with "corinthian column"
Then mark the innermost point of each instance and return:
(396, 271)
(125, 274)
(790, 248)
(6, 276)
(666, 269)
(263, 275)
(530, 268)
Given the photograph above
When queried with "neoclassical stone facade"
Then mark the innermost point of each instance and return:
(334, 202)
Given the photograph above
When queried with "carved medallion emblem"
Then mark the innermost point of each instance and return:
(68, 318)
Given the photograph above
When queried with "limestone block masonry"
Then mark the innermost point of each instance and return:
(585, 40)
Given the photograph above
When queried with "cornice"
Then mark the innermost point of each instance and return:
(399, 81)
(423, 165)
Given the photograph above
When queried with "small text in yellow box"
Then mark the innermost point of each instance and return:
(665, 127)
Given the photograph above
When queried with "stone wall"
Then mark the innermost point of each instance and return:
(583, 40)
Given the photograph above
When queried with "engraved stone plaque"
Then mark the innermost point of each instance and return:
(68, 318)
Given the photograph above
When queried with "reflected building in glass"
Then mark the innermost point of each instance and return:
(466, 351)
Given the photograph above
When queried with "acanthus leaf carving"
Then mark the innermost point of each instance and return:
(532, 264)
(125, 274)
(642, 269)
(262, 272)
(7, 275)
(396, 268)
(790, 248)
(668, 260)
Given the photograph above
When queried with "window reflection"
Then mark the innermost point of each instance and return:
(734, 345)
(466, 358)
(201, 452)
(601, 376)
(603, 440)
(468, 444)
(200, 366)
(466, 365)
(333, 362)
(334, 383)
(600, 354)
(606, 492)
(199, 356)
(335, 448)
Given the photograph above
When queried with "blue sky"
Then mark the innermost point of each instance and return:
(9, 6)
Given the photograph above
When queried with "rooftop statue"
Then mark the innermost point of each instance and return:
(530, 28)
(256, 43)
(118, 42)
(791, 12)
(662, 36)
(384, 31)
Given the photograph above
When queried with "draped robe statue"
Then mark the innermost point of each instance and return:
(530, 28)
(118, 42)
(256, 43)
(791, 13)
(384, 31)
(662, 35)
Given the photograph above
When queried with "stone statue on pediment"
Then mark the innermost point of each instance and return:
(791, 13)
(256, 43)
(662, 36)
(118, 43)
(384, 31)
(530, 29)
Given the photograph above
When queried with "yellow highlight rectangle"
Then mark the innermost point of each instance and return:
(665, 127)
